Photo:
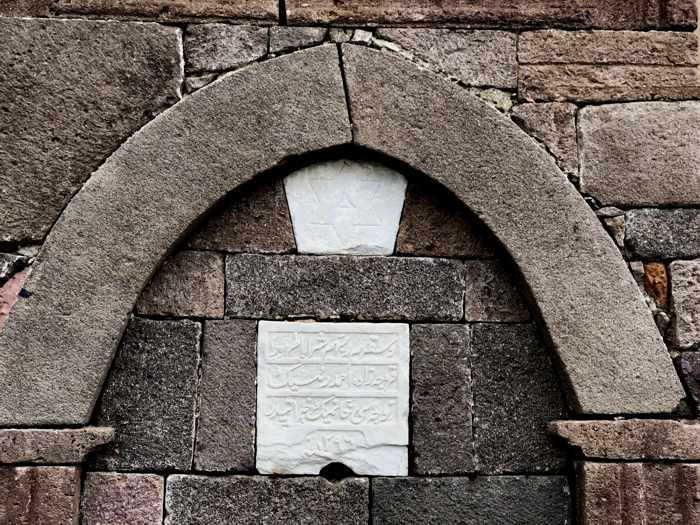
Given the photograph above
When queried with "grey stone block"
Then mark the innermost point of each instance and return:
(484, 500)
(122, 499)
(226, 426)
(685, 286)
(660, 234)
(688, 365)
(492, 293)
(441, 399)
(516, 395)
(220, 47)
(286, 38)
(149, 398)
(326, 287)
(274, 501)
(51, 446)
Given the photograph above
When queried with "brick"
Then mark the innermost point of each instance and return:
(9, 295)
(656, 282)
(477, 58)
(441, 399)
(122, 499)
(286, 38)
(492, 293)
(688, 366)
(51, 447)
(72, 91)
(149, 398)
(187, 284)
(628, 159)
(512, 500)
(255, 499)
(226, 426)
(663, 233)
(221, 47)
(516, 395)
(685, 286)
(344, 287)
(39, 495)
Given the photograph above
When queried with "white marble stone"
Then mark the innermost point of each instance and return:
(345, 207)
(332, 392)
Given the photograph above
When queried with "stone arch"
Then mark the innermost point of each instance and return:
(59, 342)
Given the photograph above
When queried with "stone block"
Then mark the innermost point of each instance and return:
(39, 495)
(72, 92)
(122, 499)
(685, 286)
(188, 284)
(286, 38)
(429, 209)
(661, 234)
(149, 397)
(492, 293)
(484, 500)
(222, 47)
(656, 283)
(516, 395)
(273, 501)
(362, 288)
(27, 8)
(255, 219)
(48, 446)
(226, 425)
(477, 58)
(554, 125)
(628, 159)
(9, 294)
(441, 399)
(688, 366)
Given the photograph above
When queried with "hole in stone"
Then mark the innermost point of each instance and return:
(336, 471)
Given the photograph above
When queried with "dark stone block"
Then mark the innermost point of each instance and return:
(149, 397)
(662, 233)
(111, 498)
(688, 366)
(492, 293)
(344, 287)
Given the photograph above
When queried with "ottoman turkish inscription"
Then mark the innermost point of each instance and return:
(332, 392)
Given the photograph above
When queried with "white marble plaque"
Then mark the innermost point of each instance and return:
(332, 392)
(345, 207)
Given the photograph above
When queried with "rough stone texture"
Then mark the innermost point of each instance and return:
(72, 91)
(285, 38)
(477, 58)
(685, 284)
(324, 287)
(628, 159)
(485, 500)
(255, 220)
(48, 446)
(274, 501)
(632, 439)
(554, 125)
(429, 208)
(441, 400)
(688, 365)
(616, 228)
(219, 47)
(33, 8)
(10, 264)
(663, 233)
(516, 394)
(93, 265)
(492, 294)
(656, 283)
(654, 494)
(149, 397)
(122, 499)
(9, 295)
(226, 426)
(187, 284)
(612, 354)
(39, 495)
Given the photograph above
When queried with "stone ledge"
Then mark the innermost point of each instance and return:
(67, 446)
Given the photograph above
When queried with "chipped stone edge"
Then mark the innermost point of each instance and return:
(43, 446)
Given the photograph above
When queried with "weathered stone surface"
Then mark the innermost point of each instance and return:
(656, 283)
(220, 47)
(655, 494)
(122, 499)
(226, 425)
(485, 500)
(274, 501)
(149, 397)
(492, 293)
(628, 159)
(616, 228)
(39, 495)
(10, 264)
(516, 395)
(345, 207)
(286, 38)
(429, 209)
(554, 125)
(364, 288)
(477, 58)
(33, 8)
(632, 439)
(663, 233)
(71, 94)
(688, 365)
(47, 446)
(685, 286)
(339, 35)
(441, 399)
(193, 83)
(187, 284)
(9, 294)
